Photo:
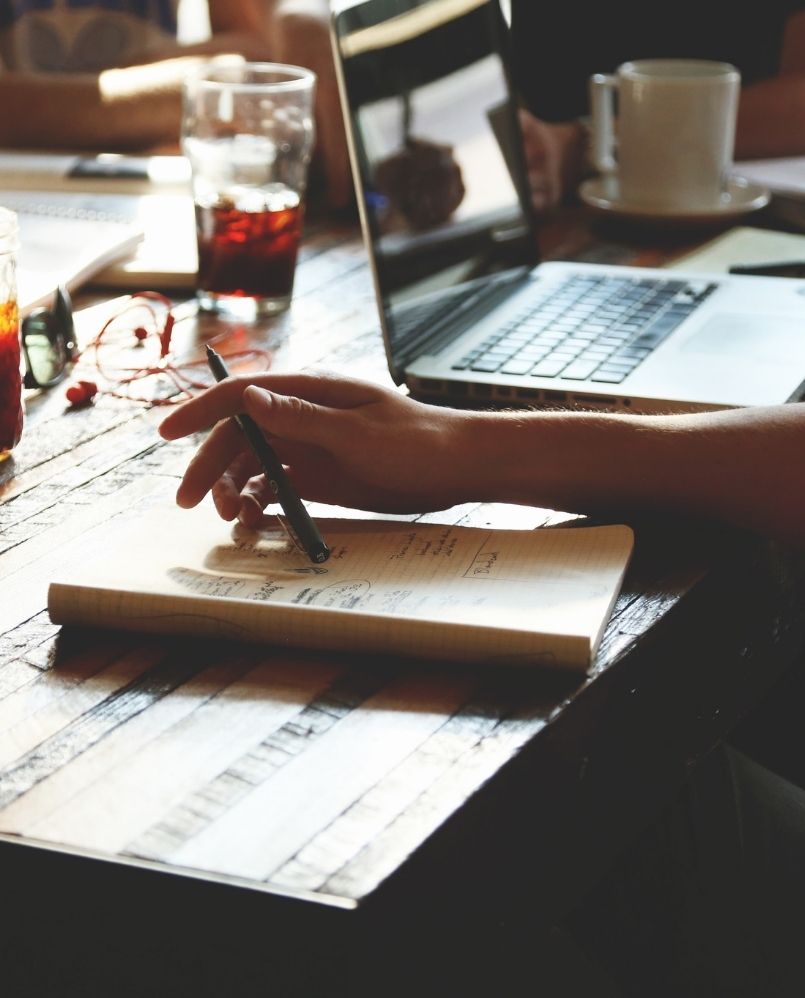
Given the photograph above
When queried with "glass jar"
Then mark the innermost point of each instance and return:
(11, 408)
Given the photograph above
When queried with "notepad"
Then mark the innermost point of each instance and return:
(742, 245)
(65, 239)
(127, 241)
(465, 594)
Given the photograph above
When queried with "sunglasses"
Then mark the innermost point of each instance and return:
(48, 342)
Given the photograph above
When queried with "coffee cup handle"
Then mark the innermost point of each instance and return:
(603, 142)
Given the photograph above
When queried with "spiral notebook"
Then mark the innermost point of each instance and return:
(64, 239)
(127, 241)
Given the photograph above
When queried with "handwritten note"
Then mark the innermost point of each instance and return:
(485, 582)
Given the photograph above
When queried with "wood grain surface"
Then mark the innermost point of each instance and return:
(340, 783)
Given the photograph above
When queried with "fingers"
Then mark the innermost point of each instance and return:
(226, 398)
(211, 461)
(224, 463)
(254, 497)
(292, 418)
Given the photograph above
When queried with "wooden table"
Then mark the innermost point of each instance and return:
(181, 817)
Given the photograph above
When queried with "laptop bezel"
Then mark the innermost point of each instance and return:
(498, 46)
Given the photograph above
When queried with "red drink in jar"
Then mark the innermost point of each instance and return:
(247, 245)
(10, 376)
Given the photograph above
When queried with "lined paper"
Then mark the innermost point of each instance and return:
(435, 590)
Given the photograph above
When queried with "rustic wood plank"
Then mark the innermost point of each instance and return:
(203, 805)
(265, 828)
(28, 567)
(49, 483)
(49, 705)
(304, 773)
(29, 769)
(31, 644)
(388, 850)
(353, 831)
(121, 788)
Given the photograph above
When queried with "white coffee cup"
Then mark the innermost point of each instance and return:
(673, 144)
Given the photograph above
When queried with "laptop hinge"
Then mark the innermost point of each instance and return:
(480, 301)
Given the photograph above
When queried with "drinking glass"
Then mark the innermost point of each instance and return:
(247, 131)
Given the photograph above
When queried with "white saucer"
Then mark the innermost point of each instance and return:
(741, 197)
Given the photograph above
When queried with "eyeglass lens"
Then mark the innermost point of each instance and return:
(48, 341)
(45, 349)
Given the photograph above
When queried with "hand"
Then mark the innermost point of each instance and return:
(554, 155)
(343, 441)
(300, 36)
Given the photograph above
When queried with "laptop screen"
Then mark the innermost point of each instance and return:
(439, 156)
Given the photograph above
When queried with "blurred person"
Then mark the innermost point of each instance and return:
(298, 32)
(557, 48)
(107, 75)
(553, 61)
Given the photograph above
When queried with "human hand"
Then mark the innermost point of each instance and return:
(300, 36)
(343, 441)
(554, 156)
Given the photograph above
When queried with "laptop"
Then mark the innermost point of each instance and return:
(469, 314)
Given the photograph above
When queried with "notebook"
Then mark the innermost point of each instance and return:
(111, 173)
(126, 241)
(64, 239)
(468, 312)
(466, 594)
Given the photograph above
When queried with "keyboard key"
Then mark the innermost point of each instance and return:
(609, 377)
(486, 366)
(517, 367)
(563, 353)
(534, 352)
(580, 370)
(549, 368)
(619, 365)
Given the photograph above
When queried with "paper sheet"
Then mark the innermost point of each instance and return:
(558, 582)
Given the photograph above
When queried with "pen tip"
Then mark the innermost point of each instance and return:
(210, 351)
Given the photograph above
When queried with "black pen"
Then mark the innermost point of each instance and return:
(299, 520)
(783, 268)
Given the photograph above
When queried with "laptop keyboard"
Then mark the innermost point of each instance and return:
(588, 329)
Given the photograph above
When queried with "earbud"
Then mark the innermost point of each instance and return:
(81, 393)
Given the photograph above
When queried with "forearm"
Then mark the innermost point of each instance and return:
(130, 108)
(771, 118)
(251, 44)
(740, 466)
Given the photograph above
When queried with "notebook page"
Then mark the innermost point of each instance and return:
(448, 584)
(115, 240)
(65, 239)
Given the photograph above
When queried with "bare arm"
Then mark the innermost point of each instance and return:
(356, 444)
(130, 108)
(235, 27)
(771, 116)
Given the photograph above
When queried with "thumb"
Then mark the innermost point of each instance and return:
(289, 417)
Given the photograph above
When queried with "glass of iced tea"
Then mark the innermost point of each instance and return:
(11, 409)
(248, 133)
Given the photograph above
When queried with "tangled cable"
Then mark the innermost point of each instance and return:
(175, 381)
